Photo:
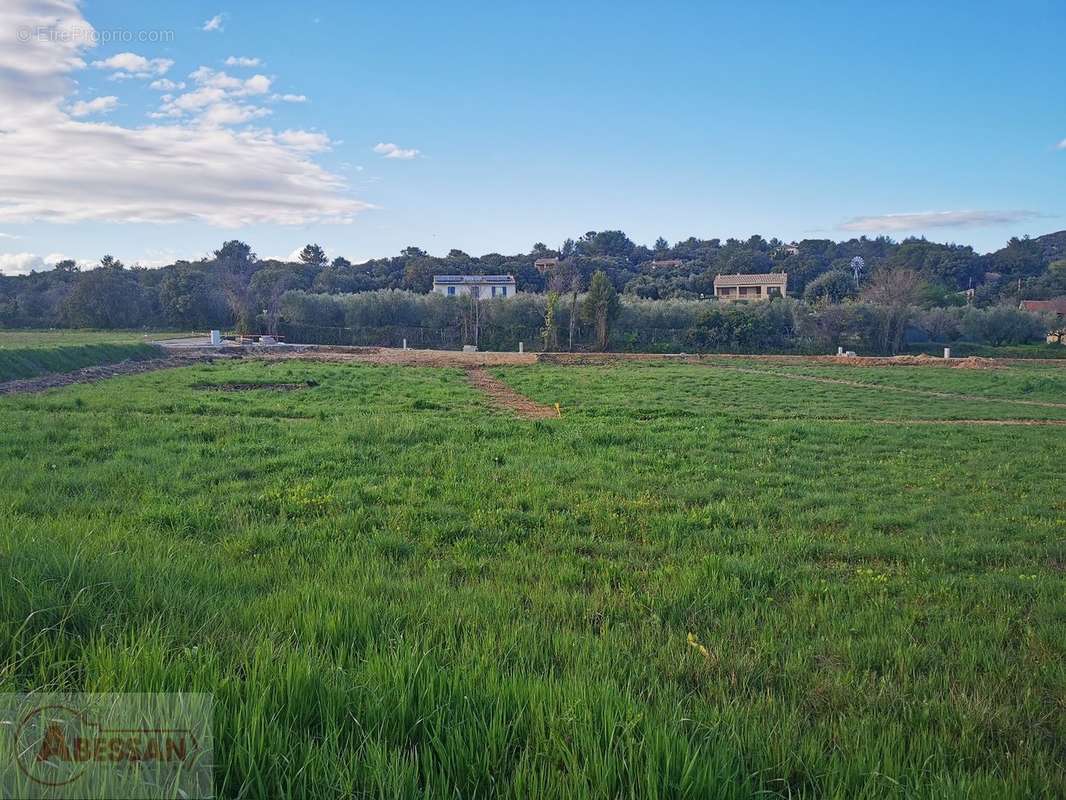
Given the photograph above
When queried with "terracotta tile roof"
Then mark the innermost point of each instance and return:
(766, 278)
(1055, 306)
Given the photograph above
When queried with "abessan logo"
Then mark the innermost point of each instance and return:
(107, 745)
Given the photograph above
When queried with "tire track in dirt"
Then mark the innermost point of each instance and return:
(889, 388)
(503, 396)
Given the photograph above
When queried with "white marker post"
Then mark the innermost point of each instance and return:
(521, 347)
(404, 344)
(947, 352)
(216, 338)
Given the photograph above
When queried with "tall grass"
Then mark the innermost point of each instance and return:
(690, 585)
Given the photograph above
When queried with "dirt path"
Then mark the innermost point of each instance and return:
(386, 356)
(503, 396)
(88, 375)
(888, 388)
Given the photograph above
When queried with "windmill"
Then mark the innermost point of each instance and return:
(857, 266)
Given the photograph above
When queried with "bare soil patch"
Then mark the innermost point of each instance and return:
(390, 356)
(603, 359)
(503, 396)
(90, 375)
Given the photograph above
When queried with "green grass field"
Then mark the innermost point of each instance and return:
(59, 337)
(961, 350)
(698, 582)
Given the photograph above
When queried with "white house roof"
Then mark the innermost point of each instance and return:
(765, 278)
(505, 280)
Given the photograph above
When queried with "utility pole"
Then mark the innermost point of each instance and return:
(476, 292)
(574, 286)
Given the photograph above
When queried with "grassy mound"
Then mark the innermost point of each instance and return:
(31, 362)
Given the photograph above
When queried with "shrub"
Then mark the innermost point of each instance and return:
(1002, 325)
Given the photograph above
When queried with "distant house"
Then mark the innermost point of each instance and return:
(1056, 306)
(766, 286)
(480, 286)
(545, 264)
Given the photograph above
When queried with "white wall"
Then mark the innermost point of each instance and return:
(464, 288)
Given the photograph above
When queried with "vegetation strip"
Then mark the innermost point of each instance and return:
(868, 421)
(89, 375)
(29, 362)
(888, 388)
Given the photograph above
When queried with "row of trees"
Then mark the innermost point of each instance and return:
(601, 319)
(233, 287)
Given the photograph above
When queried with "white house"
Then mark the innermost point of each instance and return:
(765, 286)
(480, 286)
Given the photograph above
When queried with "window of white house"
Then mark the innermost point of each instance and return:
(503, 291)
(451, 290)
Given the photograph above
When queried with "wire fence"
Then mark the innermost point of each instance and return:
(504, 338)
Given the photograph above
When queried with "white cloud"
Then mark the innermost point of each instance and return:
(214, 24)
(216, 79)
(9, 236)
(165, 173)
(98, 105)
(257, 84)
(131, 65)
(305, 140)
(1061, 145)
(25, 263)
(166, 85)
(390, 150)
(894, 223)
(20, 263)
(194, 101)
(242, 61)
(290, 98)
(160, 173)
(231, 114)
(218, 100)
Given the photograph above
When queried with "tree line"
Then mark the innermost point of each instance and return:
(603, 320)
(588, 282)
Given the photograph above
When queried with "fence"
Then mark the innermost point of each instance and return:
(447, 338)
(506, 338)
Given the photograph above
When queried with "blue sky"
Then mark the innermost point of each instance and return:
(511, 124)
